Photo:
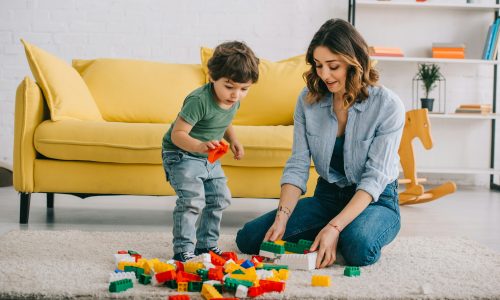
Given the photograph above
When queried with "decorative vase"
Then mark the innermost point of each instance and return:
(427, 103)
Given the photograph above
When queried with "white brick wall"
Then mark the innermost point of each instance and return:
(158, 30)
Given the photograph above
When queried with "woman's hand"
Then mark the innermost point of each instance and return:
(237, 150)
(326, 244)
(277, 230)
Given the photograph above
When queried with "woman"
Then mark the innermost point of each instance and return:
(351, 128)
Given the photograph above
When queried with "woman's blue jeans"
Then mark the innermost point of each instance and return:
(360, 242)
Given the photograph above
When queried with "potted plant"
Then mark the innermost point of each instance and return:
(429, 74)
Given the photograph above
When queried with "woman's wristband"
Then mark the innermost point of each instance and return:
(337, 227)
(284, 210)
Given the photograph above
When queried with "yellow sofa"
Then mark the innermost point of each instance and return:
(96, 127)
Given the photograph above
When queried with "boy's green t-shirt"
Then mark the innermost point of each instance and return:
(209, 120)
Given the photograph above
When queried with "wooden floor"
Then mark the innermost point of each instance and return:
(470, 212)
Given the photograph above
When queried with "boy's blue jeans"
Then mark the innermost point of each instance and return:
(201, 188)
(360, 242)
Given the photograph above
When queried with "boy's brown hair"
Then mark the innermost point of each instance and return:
(235, 61)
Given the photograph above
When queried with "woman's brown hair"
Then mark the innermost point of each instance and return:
(342, 39)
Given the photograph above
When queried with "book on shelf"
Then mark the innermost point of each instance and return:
(490, 48)
(475, 109)
(448, 54)
(385, 51)
(448, 50)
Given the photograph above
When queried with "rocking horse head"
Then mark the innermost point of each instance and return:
(417, 125)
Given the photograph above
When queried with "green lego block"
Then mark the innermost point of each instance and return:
(305, 244)
(293, 247)
(239, 271)
(195, 286)
(274, 267)
(220, 287)
(272, 247)
(352, 271)
(171, 284)
(203, 273)
(145, 279)
(120, 285)
(236, 282)
(132, 252)
(130, 269)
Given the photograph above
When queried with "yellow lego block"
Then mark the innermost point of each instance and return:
(192, 267)
(182, 286)
(122, 264)
(320, 280)
(283, 274)
(248, 277)
(260, 265)
(231, 267)
(161, 267)
(280, 242)
(209, 292)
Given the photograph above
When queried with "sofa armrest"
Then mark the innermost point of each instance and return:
(29, 113)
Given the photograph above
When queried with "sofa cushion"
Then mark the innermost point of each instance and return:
(115, 142)
(139, 91)
(65, 91)
(272, 99)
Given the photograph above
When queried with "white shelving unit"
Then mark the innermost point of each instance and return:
(418, 54)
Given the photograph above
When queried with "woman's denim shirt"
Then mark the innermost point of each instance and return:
(372, 136)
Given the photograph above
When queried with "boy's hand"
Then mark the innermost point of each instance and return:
(237, 150)
(207, 146)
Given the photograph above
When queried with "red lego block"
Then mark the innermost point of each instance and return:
(218, 152)
(215, 273)
(257, 258)
(122, 252)
(255, 291)
(272, 286)
(178, 297)
(187, 277)
(226, 298)
(180, 266)
(136, 256)
(216, 259)
(166, 276)
(229, 255)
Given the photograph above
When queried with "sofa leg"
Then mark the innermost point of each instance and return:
(50, 200)
(25, 208)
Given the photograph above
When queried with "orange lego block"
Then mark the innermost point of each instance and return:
(218, 152)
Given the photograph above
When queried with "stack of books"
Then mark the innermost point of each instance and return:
(490, 48)
(474, 109)
(386, 51)
(448, 50)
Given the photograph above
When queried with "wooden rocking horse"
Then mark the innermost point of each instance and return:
(417, 125)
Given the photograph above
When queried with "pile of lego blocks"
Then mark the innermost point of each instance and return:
(294, 255)
(208, 273)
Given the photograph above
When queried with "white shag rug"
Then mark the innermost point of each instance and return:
(76, 264)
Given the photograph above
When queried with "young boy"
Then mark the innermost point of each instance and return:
(204, 119)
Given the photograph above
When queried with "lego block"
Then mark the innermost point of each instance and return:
(209, 292)
(171, 284)
(274, 267)
(218, 152)
(283, 274)
(352, 271)
(166, 276)
(182, 286)
(299, 261)
(216, 259)
(241, 291)
(145, 279)
(255, 291)
(320, 280)
(236, 282)
(247, 264)
(215, 273)
(122, 275)
(203, 273)
(192, 267)
(123, 257)
(272, 247)
(272, 286)
(229, 255)
(195, 286)
(178, 297)
(120, 285)
(186, 277)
